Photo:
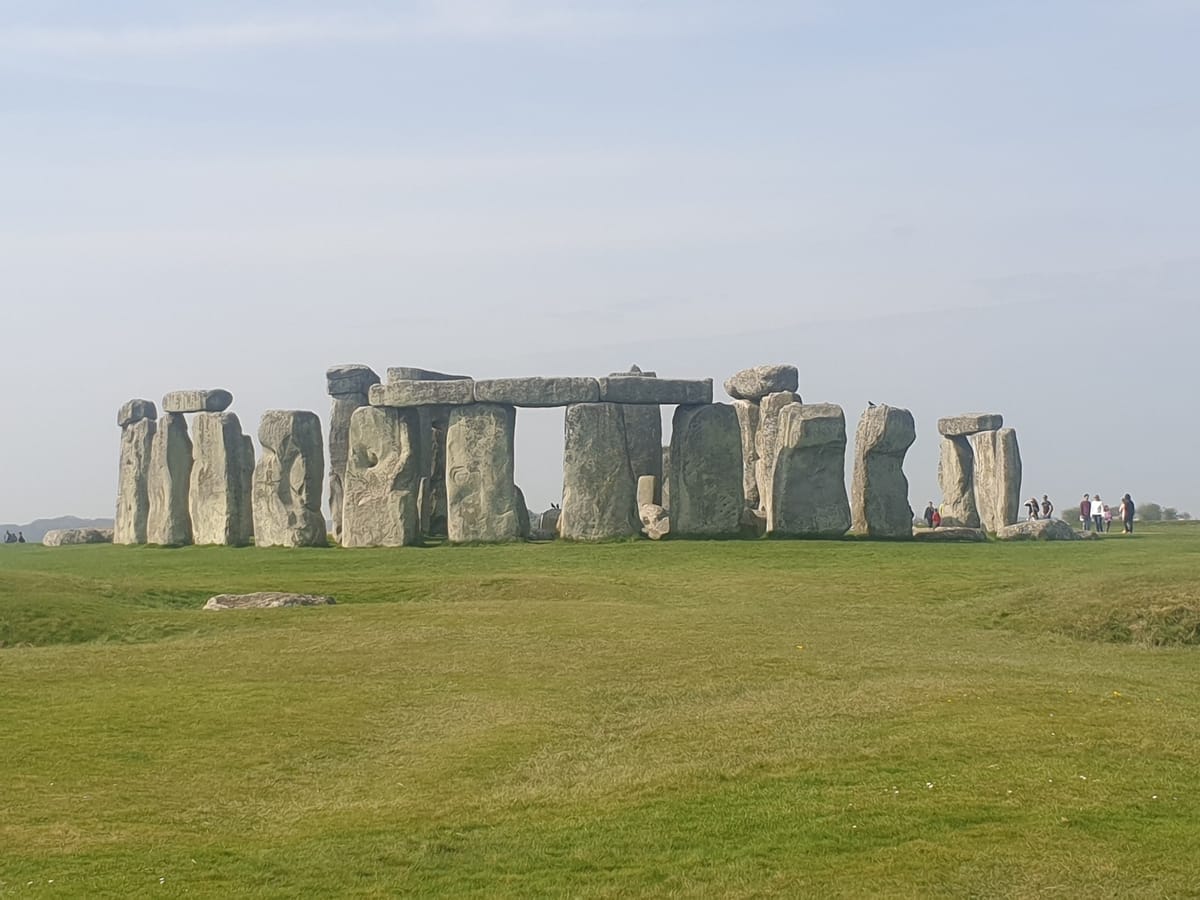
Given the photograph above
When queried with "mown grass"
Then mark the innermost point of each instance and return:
(675, 719)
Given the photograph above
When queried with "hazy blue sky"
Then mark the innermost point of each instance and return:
(946, 206)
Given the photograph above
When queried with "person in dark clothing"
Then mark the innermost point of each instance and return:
(1047, 506)
(1032, 508)
(929, 511)
(1085, 512)
(1127, 510)
(20, 537)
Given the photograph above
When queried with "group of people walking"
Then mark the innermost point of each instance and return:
(1095, 514)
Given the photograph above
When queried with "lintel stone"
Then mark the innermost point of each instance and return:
(537, 392)
(423, 393)
(663, 391)
(215, 400)
(969, 423)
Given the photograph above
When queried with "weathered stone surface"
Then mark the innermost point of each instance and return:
(168, 521)
(766, 442)
(423, 393)
(266, 600)
(643, 440)
(247, 475)
(480, 493)
(381, 506)
(997, 477)
(62, 537)
(1038, 530)
(656, 522)
(647, 389)
(287, 480)
(218, 502)
(348, 385)
(647, 491)
(546, 528)
(666, 479)
(755, 383)
(950, 535)
(808, 493)
(747, 413)
(524, 521)
(969, 423)
(133, 482)
(413, 373)
(599, 488)
(215, 400)
(135, 410)
(537, 392)
(633, 370)
(956, 478)
(353, 379)
(753, 523)
(706, 471)
(879, 491)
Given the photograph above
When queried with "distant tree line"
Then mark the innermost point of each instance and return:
(1153, 512)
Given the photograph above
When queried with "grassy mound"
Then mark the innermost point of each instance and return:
(690, 718)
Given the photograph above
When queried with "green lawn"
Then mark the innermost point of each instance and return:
(637, 719)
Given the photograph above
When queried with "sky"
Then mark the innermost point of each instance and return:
(942, 206)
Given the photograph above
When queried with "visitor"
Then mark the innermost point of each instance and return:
(1047, 506)
(936, 521)
(20, 537)
(1031, 508)
(1107, 518)
(930, 512)
(1098, 513)
(1085, 513)
(1127, 513)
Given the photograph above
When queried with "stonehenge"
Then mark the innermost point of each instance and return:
(482, 500)
(138, 422)
(168, 481)
(382, 479)
(288, 479)
(218, 495)
(347, 386)
(599, 487)
(428, 454)
(706, 471)
(879, 491)
(979, 471)
(808, 490)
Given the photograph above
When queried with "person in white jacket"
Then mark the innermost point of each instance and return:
(1097, 512)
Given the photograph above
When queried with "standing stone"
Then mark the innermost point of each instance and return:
(808, 496)
(956, 479)
(287, 481)
(647, 491)
(247, 476)
(766, 442)
(599, 487)
(706, 471)
(748, 413)
(481, 498)
(348, 385)
(133, 476)
(217, 500)
(643, 434)
(997, 477)
(135, 410)
(879, 491)
(759, 381)
(168, 521)
(666, 479)
(524, 520)
(383, 480)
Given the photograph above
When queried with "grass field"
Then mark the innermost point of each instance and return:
(675, 719)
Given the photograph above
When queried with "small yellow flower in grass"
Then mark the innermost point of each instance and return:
(799, 646)
(1116, 693)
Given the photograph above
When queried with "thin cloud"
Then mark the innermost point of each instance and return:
(482, 20)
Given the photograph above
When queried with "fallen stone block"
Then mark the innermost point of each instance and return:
(266, 600)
